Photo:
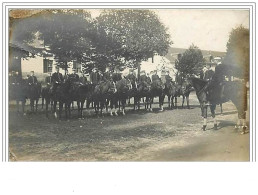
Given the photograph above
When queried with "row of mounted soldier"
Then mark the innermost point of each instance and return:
(102, 90)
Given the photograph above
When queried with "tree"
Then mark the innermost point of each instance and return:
(133, 35)
(66, 33)
(238, 52)
(190, 63)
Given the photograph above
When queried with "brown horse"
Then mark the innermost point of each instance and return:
(104, 93)
(34, 93)
(123, 88)
(141, 90)
(235, 91)
(171, 91)
(157, 89)
(19, 92)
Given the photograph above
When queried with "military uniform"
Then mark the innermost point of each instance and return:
(74, 77)
(57, 78)
(168, 79)
(83, 79)
(32, 80)
(94, 77)
(48, 80)
(116, 77)
(155, 77)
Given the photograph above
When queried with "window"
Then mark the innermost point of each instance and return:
(47, 65)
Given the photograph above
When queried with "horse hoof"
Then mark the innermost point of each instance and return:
(204, 127)
(115, 114)
(111, 114)
(150, 109)
(215, 127)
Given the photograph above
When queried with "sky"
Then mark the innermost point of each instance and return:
(208, 29)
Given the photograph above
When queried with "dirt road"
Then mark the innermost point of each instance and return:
(172, 135)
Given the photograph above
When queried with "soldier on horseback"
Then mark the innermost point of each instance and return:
(32, 79)
(57, 79)
(168, 78)
(94, 76)
(155, 76)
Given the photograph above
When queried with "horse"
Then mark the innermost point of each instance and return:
(104, 93)
(46, 95)
(183, 90)
(123, 88)
(141, 90)
(235, 91)
(34, 93)
(171, 91)
(61, 95)
(157, 89)
(19, 93)
(79, 93)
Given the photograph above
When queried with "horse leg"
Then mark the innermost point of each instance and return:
(31, 105)
(79, 109)
(169, 102)
(69, 111)
(82, 104)
(204, 112)
(187, 100)
(61, 104)
(17, 106)
(176, 102)
(161, 100)
(47, 102)
(151, 101)
(123, 101)
(221, 110)
(23, 106)
(111, 107)
(183, 101)
(42, 102)
(213, 108)
(54, 108)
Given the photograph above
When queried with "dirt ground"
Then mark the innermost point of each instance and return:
(172, 135)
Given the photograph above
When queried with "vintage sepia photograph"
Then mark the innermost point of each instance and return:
(128, 85)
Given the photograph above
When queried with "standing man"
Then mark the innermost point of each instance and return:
(32, 78)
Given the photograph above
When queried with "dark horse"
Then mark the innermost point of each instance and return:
(157, 89)
(19, 93)
(104, 93)
(79, 93)
(183, 90)
(171, 91)
(123, 88)
(235, 91)
(141, 90)
(60, 94)
(34, 93)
